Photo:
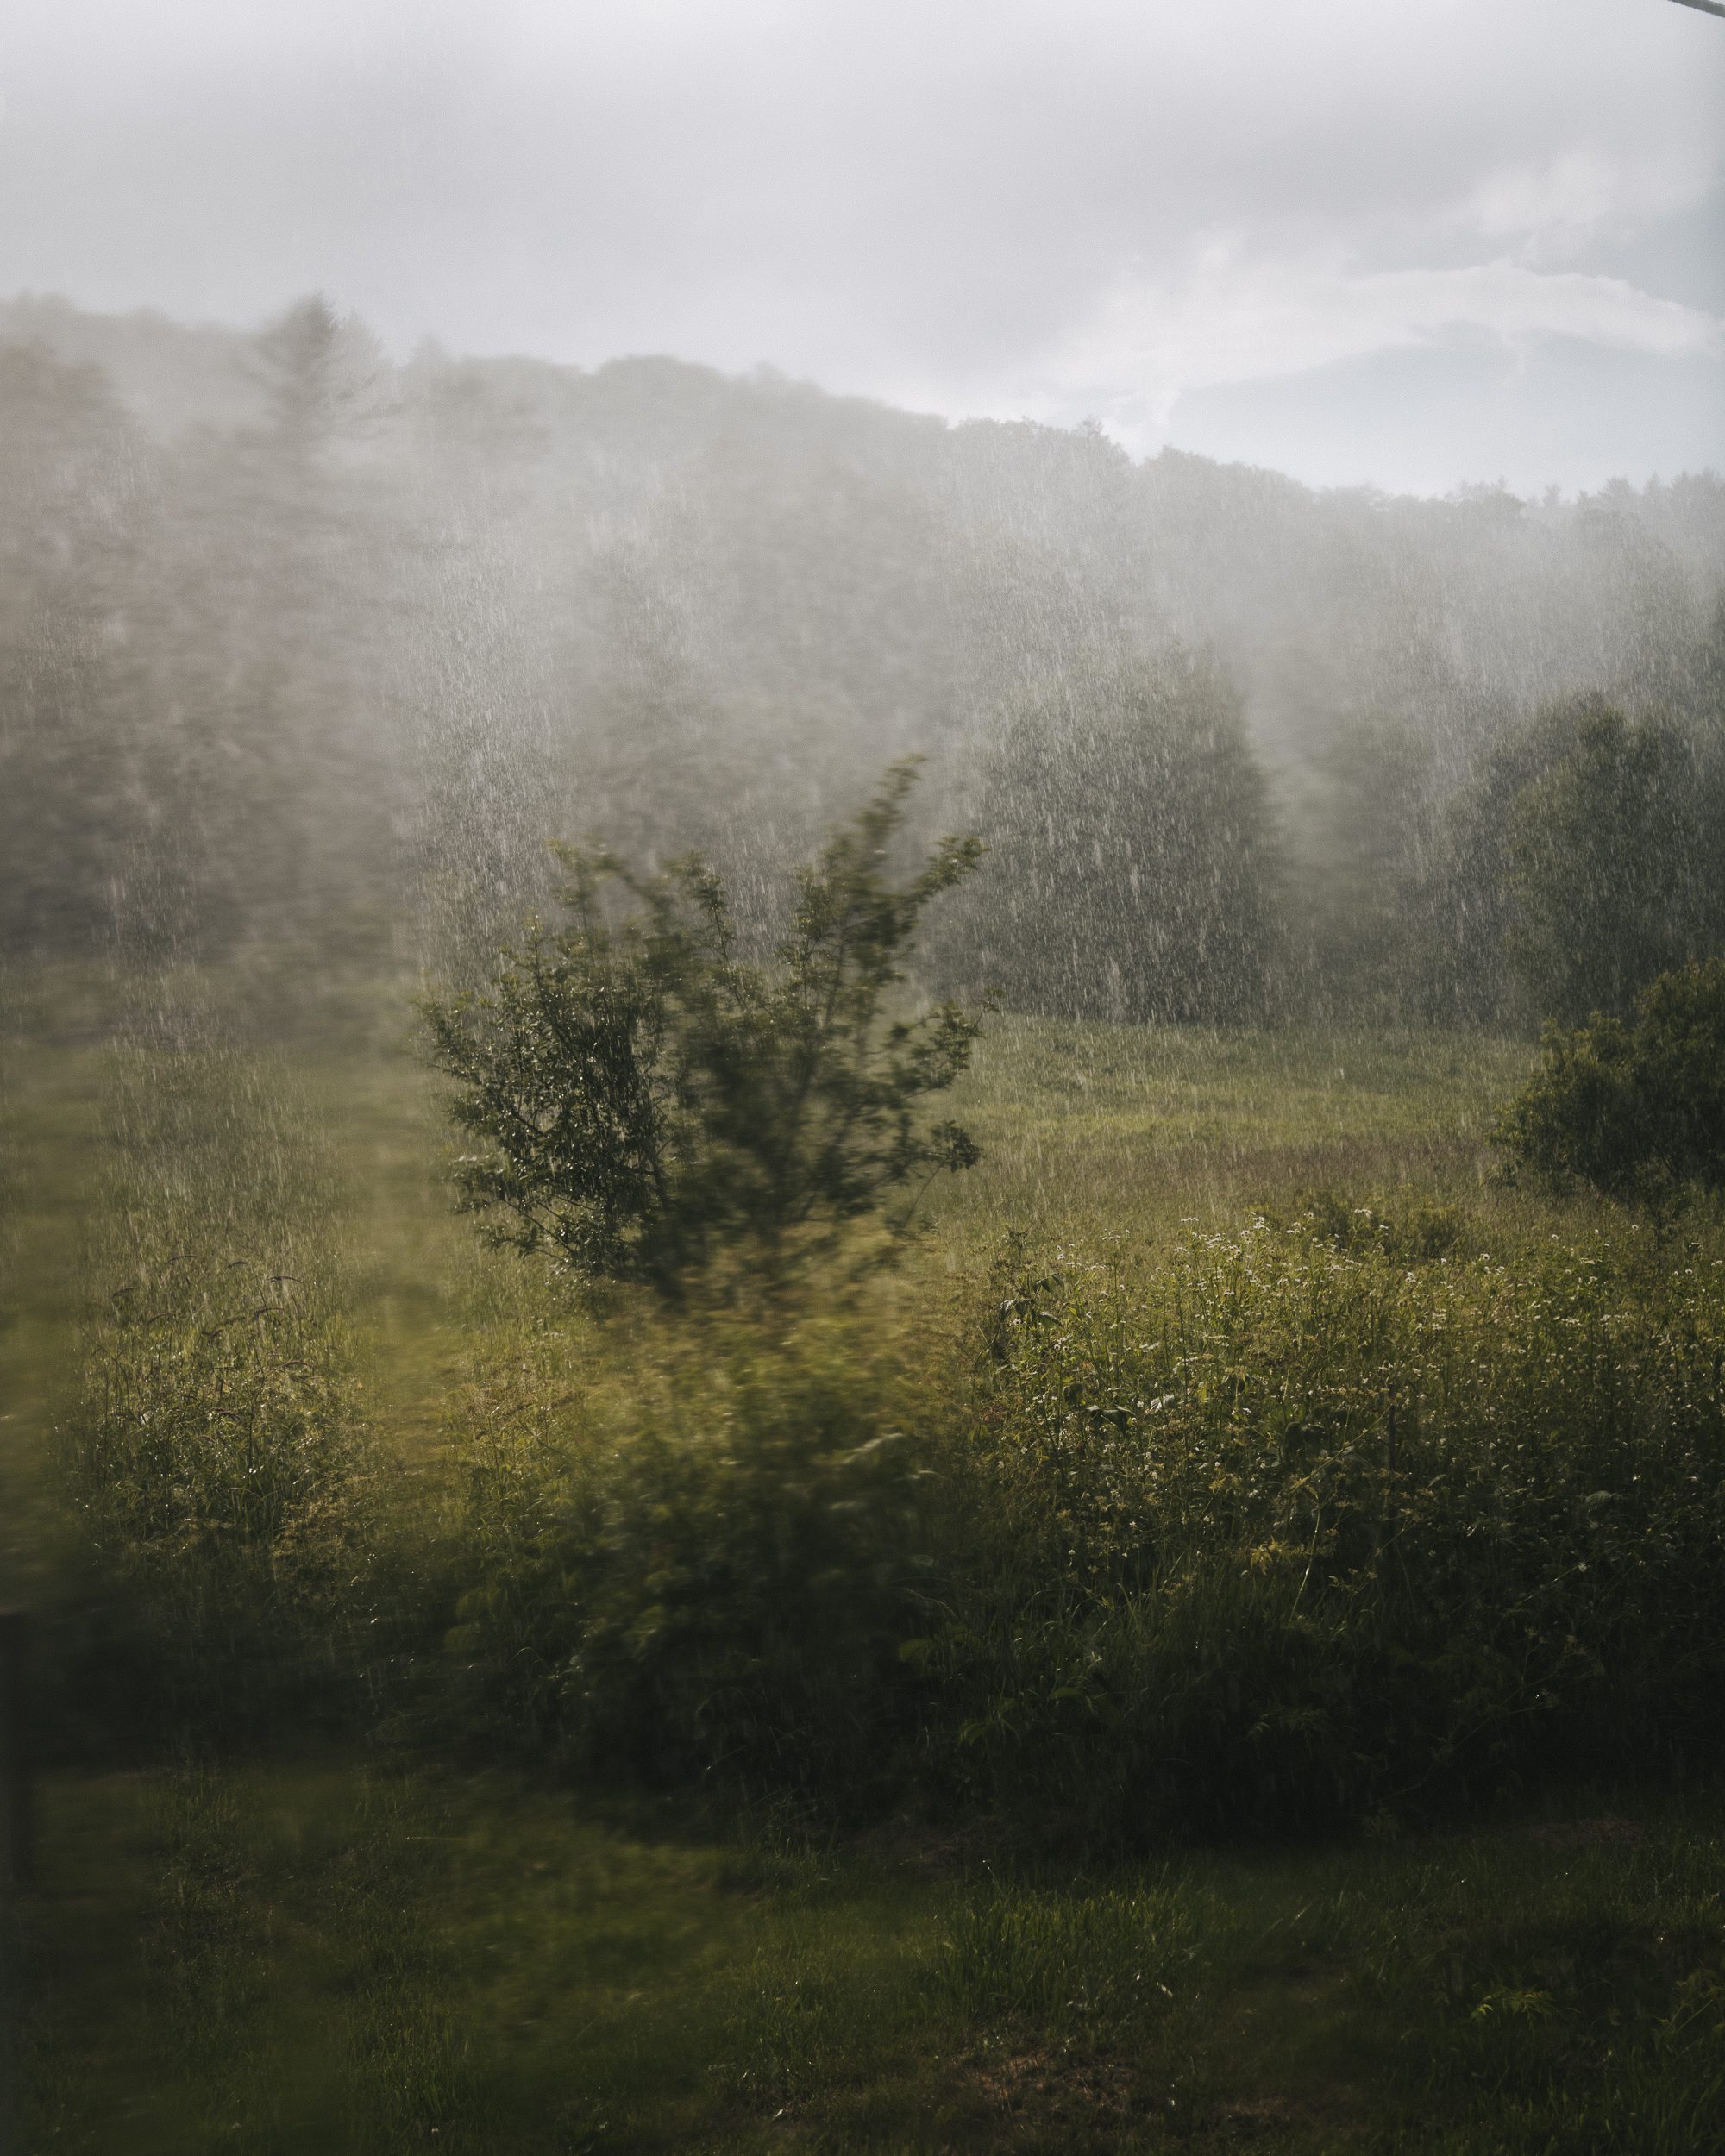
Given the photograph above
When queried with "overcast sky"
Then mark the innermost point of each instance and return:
(1414, 243)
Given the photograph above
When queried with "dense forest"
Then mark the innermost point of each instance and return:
(305, 656)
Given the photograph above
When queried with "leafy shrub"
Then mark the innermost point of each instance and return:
(643, 1100)
(1632, 1112)
(1268, 1533)
(1279, 1533)
(712, 1580)
(1414, 1234)
(220, 1484)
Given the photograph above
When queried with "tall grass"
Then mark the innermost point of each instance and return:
(705, 1569)
(1276, 1532)
(1099, 1964)
(223, 1493)
(222, 1483)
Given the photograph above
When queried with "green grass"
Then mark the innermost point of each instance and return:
(320, 1955)
(323, 1942)
(1094, 1127)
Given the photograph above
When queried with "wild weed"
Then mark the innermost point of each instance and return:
(221, 1488)
(221, 1483)
(705, 1573)
(1097, 1965)
(1273, 1532)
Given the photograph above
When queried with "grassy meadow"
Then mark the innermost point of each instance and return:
(1218, 1647)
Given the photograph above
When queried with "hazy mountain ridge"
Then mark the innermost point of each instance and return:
(296, 641)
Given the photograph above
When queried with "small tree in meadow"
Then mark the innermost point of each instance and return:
(640, 1099)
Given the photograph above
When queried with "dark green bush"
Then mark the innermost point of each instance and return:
(1632, 1111)
(222, 1490)
(1278, 1534)
(1601, 861)
(710, 1581)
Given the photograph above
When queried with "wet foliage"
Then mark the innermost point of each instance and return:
(223, 1493)
(1636, 1111)
(1137, 868)
(1289, 1531)
(1606, 870)
(708, 1583)
(645, 1102)
(1277, 1531)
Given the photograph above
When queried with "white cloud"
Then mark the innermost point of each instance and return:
(1563, 200)
(1555, 208)
(1232, 319)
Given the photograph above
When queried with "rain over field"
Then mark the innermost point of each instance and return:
(862, 1077)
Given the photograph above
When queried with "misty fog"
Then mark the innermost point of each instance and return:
(308, 656)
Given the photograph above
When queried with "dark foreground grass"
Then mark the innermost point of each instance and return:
(326, 1955)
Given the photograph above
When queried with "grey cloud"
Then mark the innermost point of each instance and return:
(910, 201)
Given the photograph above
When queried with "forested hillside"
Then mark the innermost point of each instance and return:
(305, 654)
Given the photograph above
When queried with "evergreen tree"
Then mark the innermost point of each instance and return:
(1601, 865)
(1366, 855)
(1138, 862)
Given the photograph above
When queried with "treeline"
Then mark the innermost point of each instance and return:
(307, 655)
(192, 764)
(1143, 869)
